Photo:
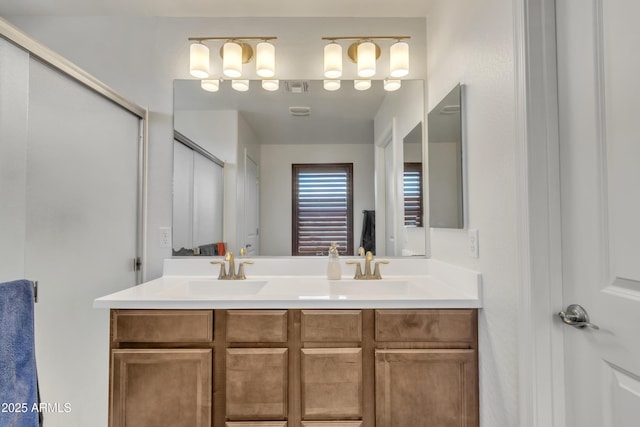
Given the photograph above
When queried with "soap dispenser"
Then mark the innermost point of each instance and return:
(333, 268)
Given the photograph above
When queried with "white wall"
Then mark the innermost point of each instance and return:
(275, 187)
(140, 56)
(472, 42)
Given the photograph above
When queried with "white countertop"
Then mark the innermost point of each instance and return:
(191, 283)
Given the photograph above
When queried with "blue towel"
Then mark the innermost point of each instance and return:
(18, 377)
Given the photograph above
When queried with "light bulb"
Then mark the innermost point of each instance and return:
(210, 85)
(366, 59)
(332, 85)
(362, 84)
(240, 85)
(333, 60)
(265, 59)
(232, 60)
(399, 59)
(391, 84)
(199, 60)
(270, 85)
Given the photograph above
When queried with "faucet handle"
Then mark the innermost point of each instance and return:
(361, 251)
(223, 269)
(376, 271)
(240, 275)
(358, 274)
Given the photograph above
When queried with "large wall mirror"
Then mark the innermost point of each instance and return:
(446, 201)
(260, 135)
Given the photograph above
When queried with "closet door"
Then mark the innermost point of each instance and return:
(81, 235)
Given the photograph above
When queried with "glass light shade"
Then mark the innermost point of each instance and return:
(391, 84)
(240, 85)
(265, 60)
(332, 85)
(210, 85)
(362, 84)
(270, 85)
(199, 60)
(333, 60)
(399, 59)
(366, 59)
(232, 60)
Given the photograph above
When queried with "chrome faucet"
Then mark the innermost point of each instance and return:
(368, 259)
(231, 275)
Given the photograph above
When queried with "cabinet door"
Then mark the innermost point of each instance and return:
(257, 383)
(423, 388)
(158, 388)
(331, 383)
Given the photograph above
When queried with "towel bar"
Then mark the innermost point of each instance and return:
(35, 290)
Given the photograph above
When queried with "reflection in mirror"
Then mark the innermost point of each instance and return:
(197, 199)
(445, 162)
(259, 135)
(412, 183)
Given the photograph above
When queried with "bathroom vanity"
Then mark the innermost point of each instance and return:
(296, 350)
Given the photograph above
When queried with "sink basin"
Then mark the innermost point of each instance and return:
(217, 288)
(368, 287)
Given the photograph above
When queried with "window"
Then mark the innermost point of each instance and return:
(413, 194)
(322, 208)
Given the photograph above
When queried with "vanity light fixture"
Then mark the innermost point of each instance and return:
(270, 85)
(365, 52)
(241, 85)
(391, 84)
(332, 85)
(210, 85)
(362, 84)
(199, 60)
(234, 52)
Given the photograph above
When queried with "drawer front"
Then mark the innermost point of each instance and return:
(257, 384)
(425, 325)
(331, 383)
(162, 326)
(331, 325)
(256, 326)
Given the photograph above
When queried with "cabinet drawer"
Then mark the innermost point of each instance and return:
(331, 383)
(257, 384)
(331, 325)
(425, 325)
(162, 326)
(257, 326)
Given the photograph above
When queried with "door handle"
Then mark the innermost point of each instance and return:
(577, 317)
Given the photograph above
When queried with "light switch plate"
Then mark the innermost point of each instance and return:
(474, 243)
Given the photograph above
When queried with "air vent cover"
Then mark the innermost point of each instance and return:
(299, 111)
(297, 86)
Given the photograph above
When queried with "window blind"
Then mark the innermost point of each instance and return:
(322, 208)
(413, 194)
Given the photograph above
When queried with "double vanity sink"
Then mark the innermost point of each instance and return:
(286, 347)
(301, 283)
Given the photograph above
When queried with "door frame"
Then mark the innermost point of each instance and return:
(541, 383)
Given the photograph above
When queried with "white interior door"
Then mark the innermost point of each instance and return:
(252, 207)
(598, 70)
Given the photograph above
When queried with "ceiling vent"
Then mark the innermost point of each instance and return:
(299, 111)
(297, 86)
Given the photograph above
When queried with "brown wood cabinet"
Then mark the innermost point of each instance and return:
(294, 368)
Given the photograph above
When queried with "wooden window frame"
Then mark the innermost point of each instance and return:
(320, 167)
